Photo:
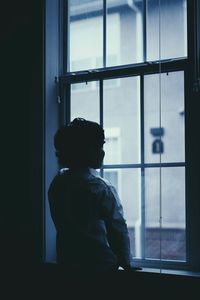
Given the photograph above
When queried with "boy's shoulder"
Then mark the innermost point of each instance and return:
(105, 184)
(93, 178)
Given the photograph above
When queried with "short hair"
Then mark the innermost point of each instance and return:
(77, 142)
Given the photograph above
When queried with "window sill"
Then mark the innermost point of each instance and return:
(170, 272)
(185, 273)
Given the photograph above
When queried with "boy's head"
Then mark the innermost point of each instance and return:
(80, 144)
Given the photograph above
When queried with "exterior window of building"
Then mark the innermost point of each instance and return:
(125, 67)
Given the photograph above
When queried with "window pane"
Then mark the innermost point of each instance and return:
(112, 146)
(165, 194)
(86, 33)
(124, 33)
(166, 29)
(128, 185)
(122, 121)
(85, 101)
(164, 117)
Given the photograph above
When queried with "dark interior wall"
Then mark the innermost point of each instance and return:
(21, 132)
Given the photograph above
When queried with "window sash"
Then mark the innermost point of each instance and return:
(156, 67)
(134, 70)
(105, 10)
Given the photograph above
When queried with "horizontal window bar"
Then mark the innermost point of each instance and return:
(125, 70)
(145, 165)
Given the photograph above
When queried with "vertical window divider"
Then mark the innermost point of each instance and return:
(101, 111)
(65, 104)
(62, 41)
(145, 30)
(160, 138)
(187, 143)
(104, 31)
(196, 51)
(142, 240)
(65, 90)
(66, 36)
(68, 103)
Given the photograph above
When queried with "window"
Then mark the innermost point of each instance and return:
(125, 65)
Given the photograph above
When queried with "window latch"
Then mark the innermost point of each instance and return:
(56, 80)
(93, 71)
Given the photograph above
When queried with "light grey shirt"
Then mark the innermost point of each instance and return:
(88, 216)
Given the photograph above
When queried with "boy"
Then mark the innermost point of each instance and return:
(92, 235)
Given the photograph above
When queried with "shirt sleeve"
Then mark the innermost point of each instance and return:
(117, 231)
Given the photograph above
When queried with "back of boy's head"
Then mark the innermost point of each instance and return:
(79, 144)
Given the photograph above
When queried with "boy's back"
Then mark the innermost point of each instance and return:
(91, 230)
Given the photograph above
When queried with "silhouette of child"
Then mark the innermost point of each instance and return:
(92, 234)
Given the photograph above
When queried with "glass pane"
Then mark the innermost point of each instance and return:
(122, 120)
(165, 197)
(164, 117)
(124, 33)
(85, 101)
(86, 33)
(128, 185)
(166, 29)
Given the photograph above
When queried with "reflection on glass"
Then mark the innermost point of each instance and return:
(85, 101)
(128, 185)
(124, 33)
(166, 29)
(165, 197)
(86, 34)
(122, 121)
(164, 117)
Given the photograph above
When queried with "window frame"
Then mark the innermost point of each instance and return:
(139, 69)
(122, 71)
